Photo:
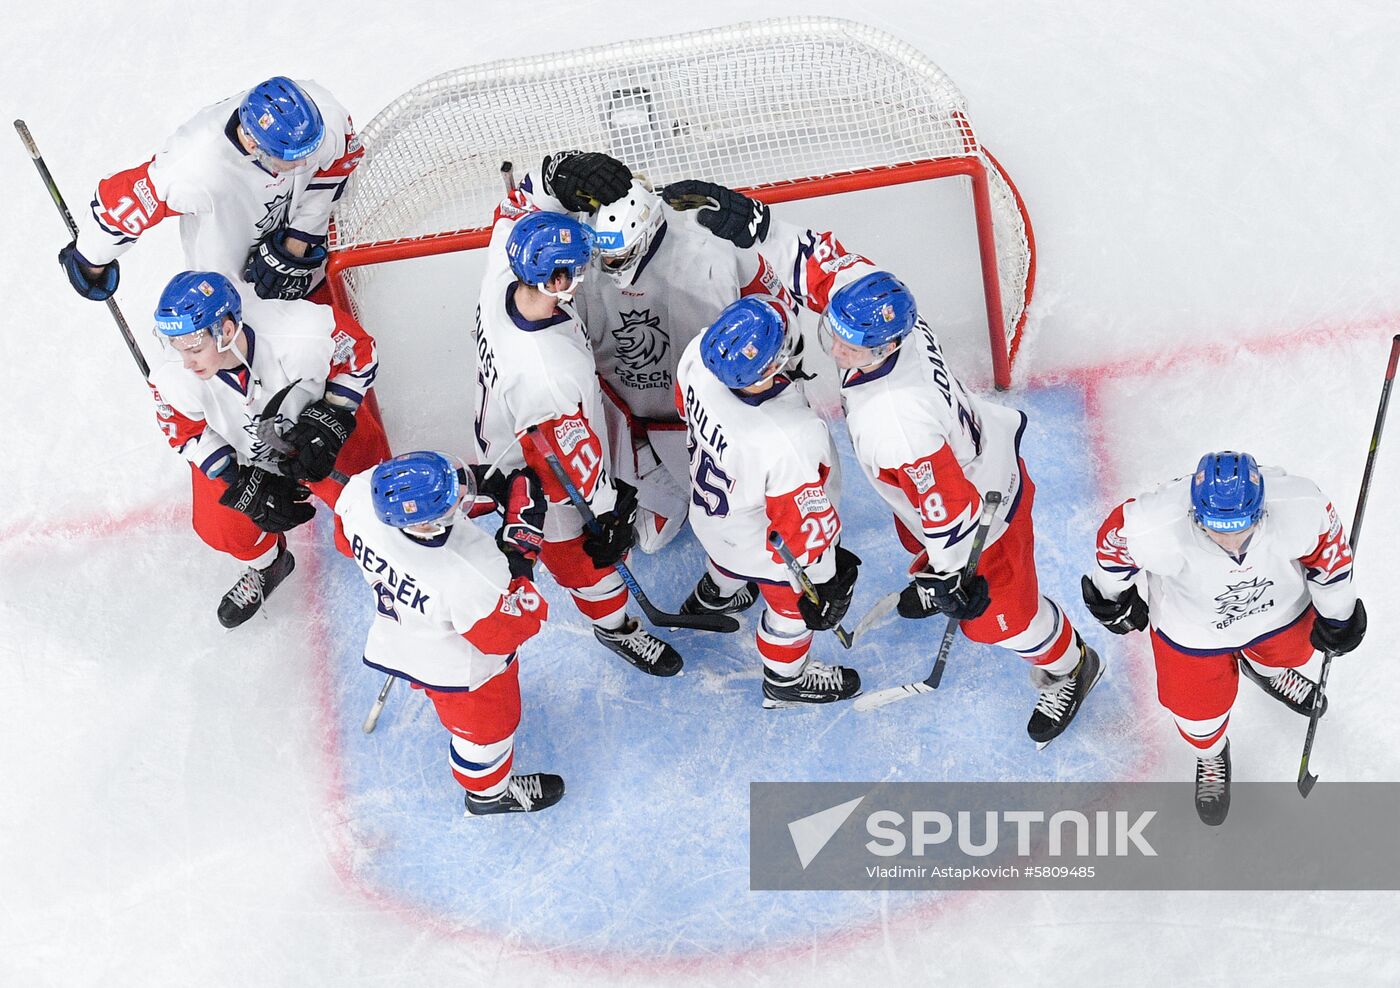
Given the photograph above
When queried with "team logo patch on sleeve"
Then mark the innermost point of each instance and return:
(921, 476)
(569, 433)
(812, 500)
(344, 347)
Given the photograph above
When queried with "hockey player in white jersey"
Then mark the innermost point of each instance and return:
(933, 451)
(213, 402)
(252, 179)
(929, 447)
(535, 373)
(760, 462)
(1236, 569)
(660, 280)
(453, 608)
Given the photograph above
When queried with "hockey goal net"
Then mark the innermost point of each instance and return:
(783, 109)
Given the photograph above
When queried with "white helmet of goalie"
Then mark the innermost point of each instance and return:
(625, 229)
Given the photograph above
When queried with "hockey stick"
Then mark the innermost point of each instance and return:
(658, 617)
(57, 197)
(879, 698)
(804, 581)
(373, 719)
(876, 617)
(1306, 780)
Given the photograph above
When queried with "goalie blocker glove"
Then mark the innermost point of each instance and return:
(98, 289)
(1127, 613)
(609, 544)
(727, 214)
(318, 437)
(275, 272)
(931, 593)
(584, 180)
(273, 503)
(833, 596)
(1340, 637)
(520, 538)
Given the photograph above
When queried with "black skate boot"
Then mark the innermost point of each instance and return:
(707, 599)
(817, 684)
(1290, 688)
(1062, 696)
(524, 794)
(641, 649)
(1213, 787)
(255, 585)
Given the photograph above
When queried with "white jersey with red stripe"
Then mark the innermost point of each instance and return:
(447, 613)
(226, 201)
(217, 421)
(536, 373)
(1201, 598)
(932, 448)
(758, 464)
(811, 264)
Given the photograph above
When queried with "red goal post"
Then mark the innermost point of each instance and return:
(783, 109)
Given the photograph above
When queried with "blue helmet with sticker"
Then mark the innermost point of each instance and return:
(542, 243)
(415, 488)
(875, 310)
(749, 336)
(195, 300)
(1227, 492)
(281, 119)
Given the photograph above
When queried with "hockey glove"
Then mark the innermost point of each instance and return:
(98, 289)
(522, 535)
(1127, 613)
(609, 545)
(274, 503)
(490, 483)
(933, 593)
(318, 437)
(1340, 637)
(275, 272)
(833, 596)
(727, 214)
(584, 180)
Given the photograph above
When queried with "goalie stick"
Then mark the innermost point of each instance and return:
(1306, 780)
(879, 698)
(658, 617)
(799, 573)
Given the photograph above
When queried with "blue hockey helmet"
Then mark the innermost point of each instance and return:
(1227, 492)
(419, 488)
(281, 119)
(749, 337)
(543, 243)
(871, 312)
(194, 301)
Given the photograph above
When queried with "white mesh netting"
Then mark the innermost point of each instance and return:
(758, 104)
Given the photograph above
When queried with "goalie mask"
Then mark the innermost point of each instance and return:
(625, 230)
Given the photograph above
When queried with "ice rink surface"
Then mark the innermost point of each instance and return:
(1214, 198)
